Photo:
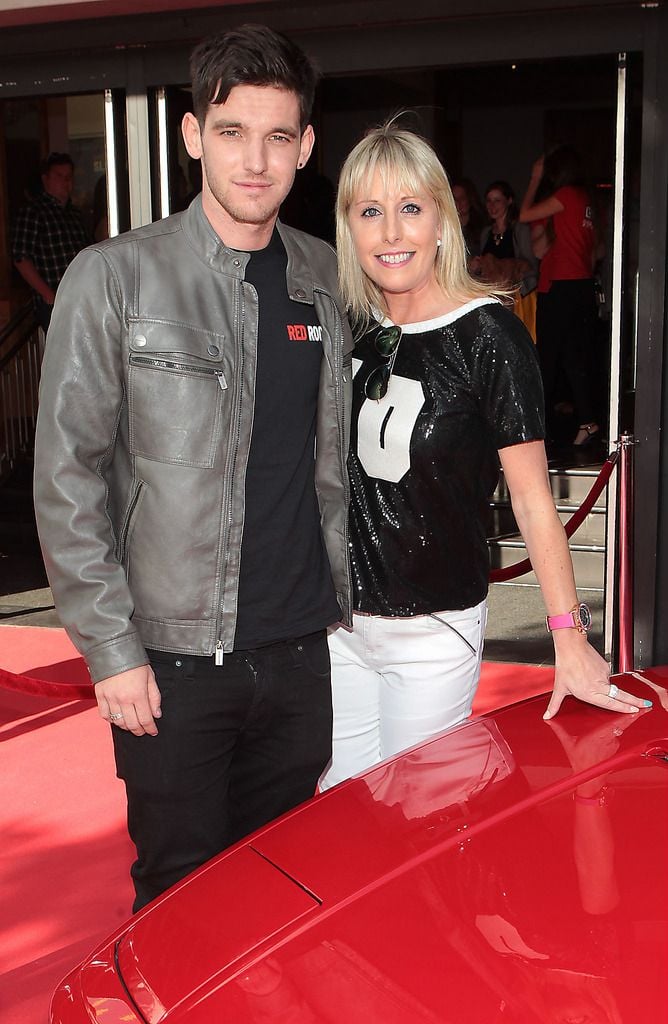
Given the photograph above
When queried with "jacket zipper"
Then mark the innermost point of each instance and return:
(219, 652)
(172, 365)
(128, 520)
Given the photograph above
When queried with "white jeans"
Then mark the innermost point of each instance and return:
(398, 681)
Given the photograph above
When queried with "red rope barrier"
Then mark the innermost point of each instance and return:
(44, 688)
(511, 572)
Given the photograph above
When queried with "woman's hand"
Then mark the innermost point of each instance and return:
(581, 672)
(538, 168)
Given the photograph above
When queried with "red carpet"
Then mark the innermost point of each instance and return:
(65, 854)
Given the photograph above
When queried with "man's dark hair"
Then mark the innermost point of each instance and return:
(56, 160)
(250, 55)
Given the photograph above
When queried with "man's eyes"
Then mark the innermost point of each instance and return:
(235, 133)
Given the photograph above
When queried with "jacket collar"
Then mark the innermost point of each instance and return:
(213, 251)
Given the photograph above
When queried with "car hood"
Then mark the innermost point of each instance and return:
(486, 875)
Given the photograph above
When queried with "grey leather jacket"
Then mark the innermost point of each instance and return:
(143, 434)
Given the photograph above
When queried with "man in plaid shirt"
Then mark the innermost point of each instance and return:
(48, 233)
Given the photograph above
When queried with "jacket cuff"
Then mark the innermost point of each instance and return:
(114, 656)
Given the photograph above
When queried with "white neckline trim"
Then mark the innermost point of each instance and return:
(447, 318)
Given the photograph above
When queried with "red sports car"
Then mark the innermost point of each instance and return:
(510, 870)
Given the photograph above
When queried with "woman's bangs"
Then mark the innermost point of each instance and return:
(399, 172)
(395, 167)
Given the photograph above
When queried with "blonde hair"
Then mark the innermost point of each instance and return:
(407, 162)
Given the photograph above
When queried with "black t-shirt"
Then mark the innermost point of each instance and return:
(423, 461)
(285, 585)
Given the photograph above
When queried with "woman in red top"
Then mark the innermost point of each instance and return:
(564, 236)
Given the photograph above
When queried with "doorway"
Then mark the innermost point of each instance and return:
(87, 126)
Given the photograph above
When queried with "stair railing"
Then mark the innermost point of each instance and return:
(623, 454)
(20, 363)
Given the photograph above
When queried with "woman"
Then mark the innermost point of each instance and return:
(505, 245)
(566, 315)
(444, 376)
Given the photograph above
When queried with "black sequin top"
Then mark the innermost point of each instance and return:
(423, 461)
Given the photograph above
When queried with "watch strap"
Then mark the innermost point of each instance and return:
(565, 621)
(579, 617)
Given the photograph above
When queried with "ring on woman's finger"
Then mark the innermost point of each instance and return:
(116, 716)
(613, 691)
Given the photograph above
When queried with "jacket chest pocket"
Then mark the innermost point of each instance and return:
(175, 409)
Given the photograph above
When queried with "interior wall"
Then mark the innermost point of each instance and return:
(500, 142)
(475, 134)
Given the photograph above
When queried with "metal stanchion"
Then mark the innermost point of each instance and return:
(625, 554)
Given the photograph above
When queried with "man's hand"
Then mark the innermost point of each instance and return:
(130, 700)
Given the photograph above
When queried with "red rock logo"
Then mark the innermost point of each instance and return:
(304, 332)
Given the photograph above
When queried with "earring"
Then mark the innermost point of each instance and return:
(438, 243)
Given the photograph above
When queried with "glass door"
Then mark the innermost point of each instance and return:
(176, 178)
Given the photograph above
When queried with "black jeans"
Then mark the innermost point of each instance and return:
(237, 745)
(565, 326)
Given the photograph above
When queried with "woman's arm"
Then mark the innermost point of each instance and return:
(529, 210)
(579, 669)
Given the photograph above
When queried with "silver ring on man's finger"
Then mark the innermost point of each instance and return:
(613, 691)
(115, 717)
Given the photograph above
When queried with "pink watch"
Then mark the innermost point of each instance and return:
(579, 617)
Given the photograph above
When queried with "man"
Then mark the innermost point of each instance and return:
(196, 547)
(48, 233)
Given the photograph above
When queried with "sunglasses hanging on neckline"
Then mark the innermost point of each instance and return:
(386, 344)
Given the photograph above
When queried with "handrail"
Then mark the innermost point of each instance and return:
(623, 454)
(19, 316)
(16, 348)
(511, 572)
(19, 385)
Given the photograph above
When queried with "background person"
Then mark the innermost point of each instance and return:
(506, 254)
(470, 212)
(48, 233)
(507, 258)
(444, 378)
(195, 547)
(566, 314)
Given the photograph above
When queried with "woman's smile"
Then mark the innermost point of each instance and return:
(395, 258)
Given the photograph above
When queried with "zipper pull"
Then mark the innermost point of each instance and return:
(221, 380)
(219, 653)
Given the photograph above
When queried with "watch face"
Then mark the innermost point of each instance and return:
(584, 615)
